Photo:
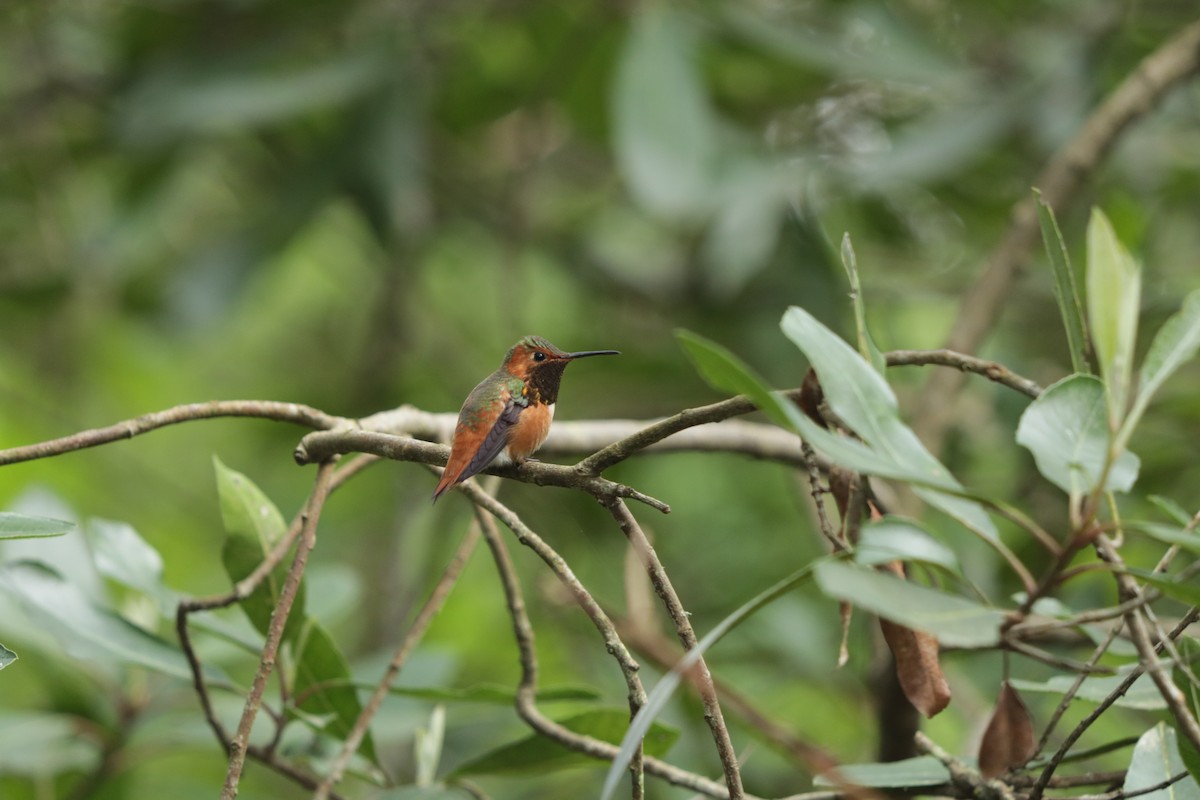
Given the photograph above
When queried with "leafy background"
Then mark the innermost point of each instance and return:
(360, 204)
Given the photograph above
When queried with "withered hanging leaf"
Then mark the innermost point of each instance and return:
(1008, 741)
(917, 667)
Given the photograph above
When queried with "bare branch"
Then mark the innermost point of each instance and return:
(965, 363)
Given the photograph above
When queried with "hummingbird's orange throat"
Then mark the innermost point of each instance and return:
(508, 414)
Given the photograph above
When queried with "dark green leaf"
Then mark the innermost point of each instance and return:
(1066, 288)
(253, 525)
(1066, 430)
(85, 630)
(23, 526)
(538, 754)
(323, 686)
(722, 370)
(953, 620)
(910, 773)
(1156, 759)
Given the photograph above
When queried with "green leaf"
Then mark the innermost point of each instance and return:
(1170, 508)
(1065, 430)
(1066, 289)
(253, 525)
(40, 745)
(665, 130)
(908, 773)
(1114, 287)
(955, 622)
(658, 697)
(6, 656)
(861, 397)
(323, 686)
(23, 526)
(538, 754)
(86, 631)
(866, 345)
(1167, 534)
(1185, 592)
(1189, 654)
(898, 539)
(499, 695)
(1176, 343)
(722, 370)
(435, 792)
(125, 557)
(1143, 695)
(1156, 759)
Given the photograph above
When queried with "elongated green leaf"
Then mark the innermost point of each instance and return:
(124, 556)
(1143, 695)
(721, 369)
(6, 656)
(898, 539)
(1170, 508)
(866, 345)
(665, 130)
(663, 690)
(85, 630)
(1176, 343)
(1183, 591)
(434, 792)
(1065, 429)
(1189, 654)
(253, 525)
(862, 398)
(1156, 759)
(1168, 534)
(1114, 287)
(323, 686)
(909, 773)
(954, 620)
(536, 753)
(23, 526)
(1066, 289)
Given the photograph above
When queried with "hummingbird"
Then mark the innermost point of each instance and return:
(507, 416)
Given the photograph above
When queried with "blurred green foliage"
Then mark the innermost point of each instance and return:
(361, 204)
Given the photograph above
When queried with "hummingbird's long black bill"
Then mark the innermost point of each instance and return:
(586, 353)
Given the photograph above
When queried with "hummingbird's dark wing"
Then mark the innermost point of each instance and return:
(495, 440)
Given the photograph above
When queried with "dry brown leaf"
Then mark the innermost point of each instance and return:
(917, 667)
(1008, 741)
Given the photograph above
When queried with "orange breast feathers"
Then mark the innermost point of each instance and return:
(531, 429)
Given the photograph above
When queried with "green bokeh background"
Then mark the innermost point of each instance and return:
(355, 205)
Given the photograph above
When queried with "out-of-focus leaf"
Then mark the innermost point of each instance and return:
(1170, 508)
(425, 793)
(194, 97)
(665, 131)
(39, 744)
(1009, 740)
(24, 526)
(1183, 591)
(1176, 343)
(917, 667)
(910, 773)
(1114, 290)
(86, 631)
(953, 620)
(1168, 534)
(427, 749)
(1156, 759)
(750, 202)
(1184, 674)
(898, 539)
(323, 686)
(858, 394)
(124, 556)
(253, 525)
(536, 753)
(1065, 429)
(1142, 695)
(1066, 288)
(6, 656)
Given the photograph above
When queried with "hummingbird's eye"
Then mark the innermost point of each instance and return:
(538, 355)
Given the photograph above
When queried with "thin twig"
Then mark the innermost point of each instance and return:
(965, 363)
(308, 539)
(1120, 794)
(416, 631)
(1069, 695)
